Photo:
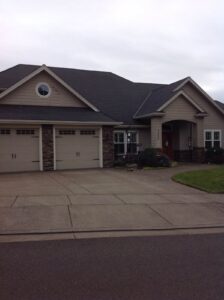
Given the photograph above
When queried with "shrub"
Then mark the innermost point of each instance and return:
(123, 160)
(151, 158)
(214, 155)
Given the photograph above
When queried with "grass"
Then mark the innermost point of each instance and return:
(211, 181)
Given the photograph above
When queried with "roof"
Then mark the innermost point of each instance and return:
(52, 113)
(221, 104)
(115, 96)
(157, 98)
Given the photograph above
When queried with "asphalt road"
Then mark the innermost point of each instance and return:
(170, 268)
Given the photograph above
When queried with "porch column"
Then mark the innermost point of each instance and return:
(156, 133)
(198, 151)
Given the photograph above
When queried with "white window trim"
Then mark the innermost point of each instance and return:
(126, 140)
(212, 139)
(101, 147)
(40, 149)
(54, 147)
(38, 94)
(125, 143)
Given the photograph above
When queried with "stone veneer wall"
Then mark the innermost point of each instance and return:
(199, 155)
(48, 147)
(108, 147)
(183, 155)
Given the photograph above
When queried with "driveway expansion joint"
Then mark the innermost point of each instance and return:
(14, 202)
(155, 211)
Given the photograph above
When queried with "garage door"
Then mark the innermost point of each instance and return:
(77, 148)
(19, 149)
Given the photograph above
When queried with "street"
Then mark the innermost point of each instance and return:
(154, 268)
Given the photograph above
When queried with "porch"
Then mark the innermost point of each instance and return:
(181, 140)
(178, 140)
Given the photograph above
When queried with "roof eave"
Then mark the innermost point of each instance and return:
(10, 121)
(154, 114)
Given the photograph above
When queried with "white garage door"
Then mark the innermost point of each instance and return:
(19, 149)
(77, 148)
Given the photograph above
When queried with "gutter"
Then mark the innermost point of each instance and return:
(57, 122)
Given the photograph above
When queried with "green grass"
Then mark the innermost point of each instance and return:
(211, 180)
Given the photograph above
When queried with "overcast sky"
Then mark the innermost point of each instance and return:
(143, 40)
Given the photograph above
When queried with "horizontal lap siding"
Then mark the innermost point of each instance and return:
(26, 94)
(180, 109)
(144, 138)
(214, 120)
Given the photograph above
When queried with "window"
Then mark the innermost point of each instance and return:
(212, 138)
(43, 90)
(87, 132)
(5, 131)
(125, 142)
(67, 132)
(25, 131)
(119, 143)
(132, 142)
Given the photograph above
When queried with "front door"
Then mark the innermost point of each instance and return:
(167, 144)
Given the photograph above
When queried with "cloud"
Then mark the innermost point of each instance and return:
(144, 40)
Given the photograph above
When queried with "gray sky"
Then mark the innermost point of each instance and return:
(143, 40)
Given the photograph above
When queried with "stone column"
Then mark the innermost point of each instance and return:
(48, 147)
(108, 147)
(156, 133)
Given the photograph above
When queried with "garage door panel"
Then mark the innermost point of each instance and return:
(77, 151)
(19, 150)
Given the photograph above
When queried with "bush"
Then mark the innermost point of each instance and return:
(151, 158)
(214, 155)
(123, 160)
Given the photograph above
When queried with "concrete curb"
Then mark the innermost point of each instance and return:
(62, 231)
(37, 237)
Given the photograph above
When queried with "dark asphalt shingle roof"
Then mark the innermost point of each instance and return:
(221, 104)
(115, 96)
(157, 98)
(51, 113)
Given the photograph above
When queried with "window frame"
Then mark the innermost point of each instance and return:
(118, 143)
(37, 91)
(212, 131)
(125, 135)
(136, 132)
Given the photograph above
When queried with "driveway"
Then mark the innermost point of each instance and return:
(104, 200)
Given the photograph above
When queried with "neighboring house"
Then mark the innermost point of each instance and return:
(58, 118)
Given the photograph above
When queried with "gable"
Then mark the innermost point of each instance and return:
(180, 109)
(215, 118)
(26, 94)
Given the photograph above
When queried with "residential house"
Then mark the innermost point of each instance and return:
(59, 118)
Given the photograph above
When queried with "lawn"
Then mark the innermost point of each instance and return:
(211, 180)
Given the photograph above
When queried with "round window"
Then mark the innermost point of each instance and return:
(43, 89)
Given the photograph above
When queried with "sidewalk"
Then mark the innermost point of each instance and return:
(111, 213)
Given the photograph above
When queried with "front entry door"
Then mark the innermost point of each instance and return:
(167, 144)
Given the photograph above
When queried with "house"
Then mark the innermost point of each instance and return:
(57, 118)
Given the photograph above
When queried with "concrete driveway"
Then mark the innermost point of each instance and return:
(104, 200)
